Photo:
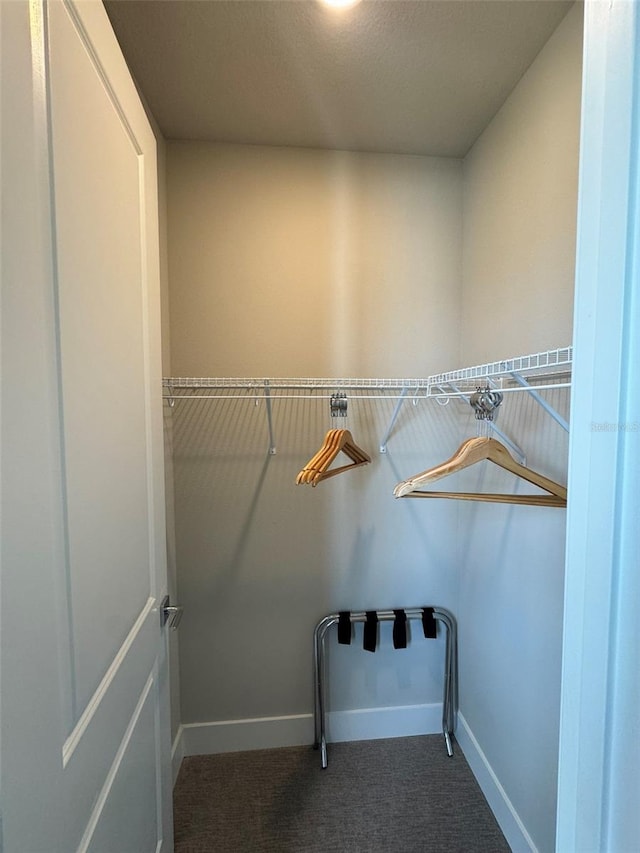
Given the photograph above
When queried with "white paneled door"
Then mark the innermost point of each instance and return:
(85, 730)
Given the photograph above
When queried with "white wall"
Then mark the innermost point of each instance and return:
(519, 236)
(520, 190)
(294, 262)
(303, 263)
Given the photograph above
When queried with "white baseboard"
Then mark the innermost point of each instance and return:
(376, 723)
(297, 730)
(241, 735)
(514, 830)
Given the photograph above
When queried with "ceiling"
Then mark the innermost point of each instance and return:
(402, 76)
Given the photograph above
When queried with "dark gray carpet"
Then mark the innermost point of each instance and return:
(382, 796)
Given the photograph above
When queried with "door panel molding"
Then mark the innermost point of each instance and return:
(98, 809)
(77, 19)
(89, 712)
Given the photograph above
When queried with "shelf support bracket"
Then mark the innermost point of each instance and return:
(267, 399)
(394, 418)
(540, 400)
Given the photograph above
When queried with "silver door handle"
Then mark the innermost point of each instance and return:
(169, 613)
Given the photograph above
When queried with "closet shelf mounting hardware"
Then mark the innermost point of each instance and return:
(533, 392)
(267, 399)
(531, 374)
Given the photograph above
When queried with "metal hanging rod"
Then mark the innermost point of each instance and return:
(429, 394)
(296, 384)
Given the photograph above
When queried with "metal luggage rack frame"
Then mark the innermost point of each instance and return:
(450, 689)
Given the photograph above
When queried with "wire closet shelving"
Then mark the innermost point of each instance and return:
(529, 373)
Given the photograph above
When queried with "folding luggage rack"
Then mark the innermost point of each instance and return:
(450, 697)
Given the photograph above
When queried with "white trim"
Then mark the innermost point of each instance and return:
(241, 735)
(513, 828)
(376, 723)
(81, 726)
(98, 808)
(177, 754)
(297, 730)
(602, 532)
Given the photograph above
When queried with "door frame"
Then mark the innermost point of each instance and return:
(598, 761)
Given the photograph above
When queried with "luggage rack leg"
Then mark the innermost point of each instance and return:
(450, 693)
(320, 740)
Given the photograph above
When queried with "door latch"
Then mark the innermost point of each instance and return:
(169, 613)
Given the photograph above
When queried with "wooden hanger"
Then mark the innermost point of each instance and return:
(335, 441)
(475, 450)
(327, 452)
(311, 465)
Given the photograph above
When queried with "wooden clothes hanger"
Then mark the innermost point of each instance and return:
(327, 452)
(475, 450)
(313, 462)
(335, 441)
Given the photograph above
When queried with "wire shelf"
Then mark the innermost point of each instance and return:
(297, 384)
(543, 364)
(529, 373)
(546, 370)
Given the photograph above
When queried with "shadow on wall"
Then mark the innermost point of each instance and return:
(262, 560)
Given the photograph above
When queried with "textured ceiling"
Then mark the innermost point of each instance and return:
(403, 76)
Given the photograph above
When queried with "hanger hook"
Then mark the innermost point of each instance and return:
(485, 402)
(339, 405)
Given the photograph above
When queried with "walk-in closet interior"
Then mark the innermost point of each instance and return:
(310, 247)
